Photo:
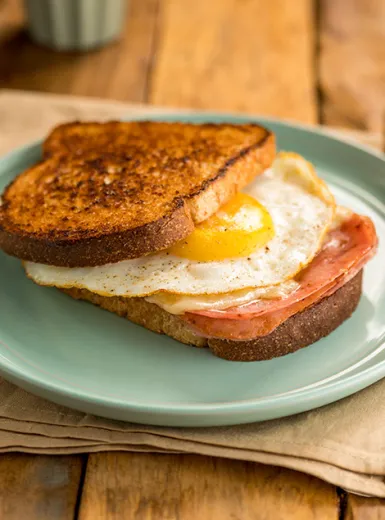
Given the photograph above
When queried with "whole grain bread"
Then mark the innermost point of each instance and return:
(106, 192)
(297, 332)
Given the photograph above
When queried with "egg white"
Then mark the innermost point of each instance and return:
(301, 207)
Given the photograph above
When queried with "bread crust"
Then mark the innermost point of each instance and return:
(93, 229)
(297, 332)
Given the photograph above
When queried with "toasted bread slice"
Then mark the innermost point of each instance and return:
(297, 332)
(113, 191)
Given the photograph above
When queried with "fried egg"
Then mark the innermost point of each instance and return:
(237, 230)
(181, 303)
(261, 238)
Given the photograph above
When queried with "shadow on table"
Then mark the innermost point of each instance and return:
(26, 65)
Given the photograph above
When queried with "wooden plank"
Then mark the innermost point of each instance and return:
(11, 19)
(352, 63)
(362, 508)
(11, 26)
(122, 71)
(159, 487)
(119, 70)
(39, 487)
(248, 55)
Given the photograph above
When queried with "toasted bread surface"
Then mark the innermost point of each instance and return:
(106, 192)
(297, 332)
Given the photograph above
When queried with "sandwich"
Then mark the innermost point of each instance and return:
(201, 232)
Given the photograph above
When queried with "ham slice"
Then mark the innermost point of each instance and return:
(344, 253)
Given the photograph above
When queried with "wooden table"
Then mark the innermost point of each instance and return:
(313, 61)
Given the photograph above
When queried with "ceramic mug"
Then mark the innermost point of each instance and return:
(75, 24)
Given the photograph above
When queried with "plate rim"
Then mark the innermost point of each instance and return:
(354, 382)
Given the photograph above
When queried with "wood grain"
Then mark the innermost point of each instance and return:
(185, 487)
(352, 63)
(362, 508)
(118, 71)
(244, 55)
(39, 487)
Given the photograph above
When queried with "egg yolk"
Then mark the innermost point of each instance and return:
(236, 230)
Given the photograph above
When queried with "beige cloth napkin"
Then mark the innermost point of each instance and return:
(343, 443)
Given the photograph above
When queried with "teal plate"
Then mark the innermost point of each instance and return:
(78, 355)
